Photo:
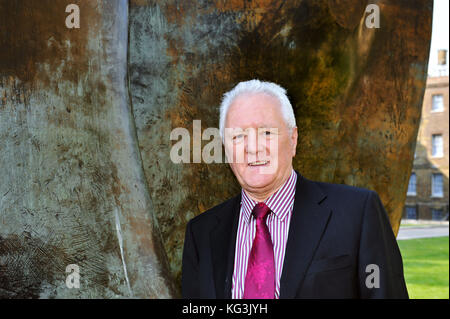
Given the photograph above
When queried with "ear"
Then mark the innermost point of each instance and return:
(294, 137)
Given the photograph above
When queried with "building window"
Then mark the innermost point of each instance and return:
(411, 212)
(437, 145)
(437, 185)
(412, 185)
(436, 214)
(437, 104)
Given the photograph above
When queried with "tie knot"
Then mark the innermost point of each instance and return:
(260, 211)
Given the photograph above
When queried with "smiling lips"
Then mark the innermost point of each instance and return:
(258, 163)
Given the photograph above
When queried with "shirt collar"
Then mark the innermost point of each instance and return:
(280, 202)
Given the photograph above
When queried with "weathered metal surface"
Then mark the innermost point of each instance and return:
(357, 92)
(72, 188)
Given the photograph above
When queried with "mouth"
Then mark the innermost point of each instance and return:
(258, 163)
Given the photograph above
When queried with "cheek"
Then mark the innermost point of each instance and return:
(239, 153)
(283, 150)
(274, 148)
(235, 154)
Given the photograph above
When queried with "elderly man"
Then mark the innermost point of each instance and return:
(285, 236)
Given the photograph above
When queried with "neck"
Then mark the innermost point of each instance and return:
(261, 195)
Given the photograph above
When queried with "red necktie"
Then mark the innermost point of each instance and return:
(260, 277)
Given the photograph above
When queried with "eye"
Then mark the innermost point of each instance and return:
(266, 133)
(238, 137)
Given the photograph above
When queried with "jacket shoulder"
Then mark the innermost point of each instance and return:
(344, 190)
(346, 200)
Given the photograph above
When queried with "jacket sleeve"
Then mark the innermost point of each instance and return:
(380, 266)
(189, 277)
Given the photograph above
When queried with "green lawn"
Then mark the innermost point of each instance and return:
(418, 225)
(425, 262)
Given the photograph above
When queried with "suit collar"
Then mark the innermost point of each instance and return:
(309, 219)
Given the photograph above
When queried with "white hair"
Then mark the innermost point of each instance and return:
(257, 86)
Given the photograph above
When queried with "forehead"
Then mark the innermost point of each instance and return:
(255, 110)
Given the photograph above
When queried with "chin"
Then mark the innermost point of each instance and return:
(257, 180)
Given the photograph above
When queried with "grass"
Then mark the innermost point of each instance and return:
(418, 225)
(426, 262)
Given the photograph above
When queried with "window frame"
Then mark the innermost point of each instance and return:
(407, 207)
(408, 193)
(433, 194)
(441, 147)
(434, 211)
(432, 103)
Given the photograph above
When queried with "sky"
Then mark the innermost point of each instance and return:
(440, 33)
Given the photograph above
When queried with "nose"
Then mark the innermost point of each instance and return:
(254, 143)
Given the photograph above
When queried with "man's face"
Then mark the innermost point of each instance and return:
(261, 144)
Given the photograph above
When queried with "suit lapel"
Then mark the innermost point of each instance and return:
(309, 219)
(223, 244)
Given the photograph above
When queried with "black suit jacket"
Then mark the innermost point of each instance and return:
(335, 232)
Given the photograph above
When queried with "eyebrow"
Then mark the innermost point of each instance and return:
(259, 127)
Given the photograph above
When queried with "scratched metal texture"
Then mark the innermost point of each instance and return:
(357, 92)
(86, 176)
(71, 181)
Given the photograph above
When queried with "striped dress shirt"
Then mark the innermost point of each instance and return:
(281, 204)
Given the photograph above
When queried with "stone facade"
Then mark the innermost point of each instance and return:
(431, 201)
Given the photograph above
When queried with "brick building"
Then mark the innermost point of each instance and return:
(427, 196)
